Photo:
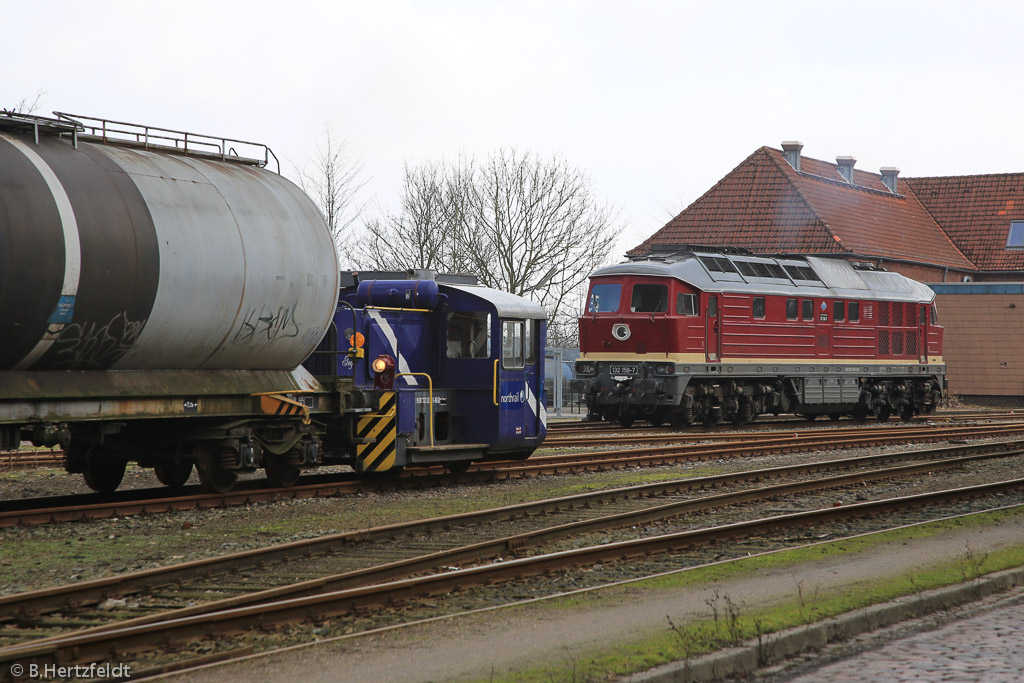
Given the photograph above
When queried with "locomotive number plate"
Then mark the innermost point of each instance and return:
(623, 369)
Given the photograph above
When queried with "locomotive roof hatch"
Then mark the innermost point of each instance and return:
(737, 270)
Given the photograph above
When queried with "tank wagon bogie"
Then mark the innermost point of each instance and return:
(163, 291)
(703, 336)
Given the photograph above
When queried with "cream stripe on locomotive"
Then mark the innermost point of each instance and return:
(380, 453)
(701, 358)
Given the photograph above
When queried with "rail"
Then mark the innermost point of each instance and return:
(183, 142)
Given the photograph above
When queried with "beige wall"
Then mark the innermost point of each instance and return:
(984, 343)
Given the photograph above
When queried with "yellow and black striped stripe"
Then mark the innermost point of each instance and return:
(278, 404)
(379, 430)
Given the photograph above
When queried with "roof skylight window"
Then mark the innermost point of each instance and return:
(1015, 238)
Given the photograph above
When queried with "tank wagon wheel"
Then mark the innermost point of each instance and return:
(810, 417)
(835, 417)
(860, 413)
(104, 474)
(173, 473)
(214, 477)
(280, 472)
(884, 412)
(907, 414)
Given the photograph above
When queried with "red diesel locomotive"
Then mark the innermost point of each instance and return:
(693, 334)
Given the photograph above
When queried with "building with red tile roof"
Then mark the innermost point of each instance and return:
(933, 229)
(940, 230)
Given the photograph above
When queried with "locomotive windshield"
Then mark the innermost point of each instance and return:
(469, 334)
(604, 298)
(649, 299)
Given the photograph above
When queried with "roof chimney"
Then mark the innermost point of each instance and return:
(791, 150)
(889, 174)
(846, 167)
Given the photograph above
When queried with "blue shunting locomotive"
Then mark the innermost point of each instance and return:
(444, 372)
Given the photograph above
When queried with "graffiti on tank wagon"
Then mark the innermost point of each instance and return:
(268, 323)
(89, 345)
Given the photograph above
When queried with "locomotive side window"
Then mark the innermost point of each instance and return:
(469, 334)
(713, 307)
(792, 309)
(839, 311)
(854, 311)
(530, 341)
(511, 344)
(649, 299)
(807, 310)
(923, 316)
(604, 298)
(759, 307)
(686, 304)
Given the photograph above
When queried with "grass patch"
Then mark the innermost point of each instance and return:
(729, 623)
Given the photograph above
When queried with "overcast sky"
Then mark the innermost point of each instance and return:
(656, 101)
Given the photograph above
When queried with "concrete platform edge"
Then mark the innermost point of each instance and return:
(777, 647)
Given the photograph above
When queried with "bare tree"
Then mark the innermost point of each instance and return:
(331, 178)
(523, 224)
(26, 106)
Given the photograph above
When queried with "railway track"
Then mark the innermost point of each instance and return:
(581, 427)
(374, 587)
(92, 506)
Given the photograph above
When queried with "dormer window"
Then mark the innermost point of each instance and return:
(1015, 238)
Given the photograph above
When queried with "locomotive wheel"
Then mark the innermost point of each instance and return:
(173, 473)
(280, 472)
(835, 416)
(214, 478)
(104, 474)
(884, 412)
(460, 467)
(907, 414)
(679, 420)
(860, 413)
(810, 417)
(656, 421)
(743, 415)
(626, 421)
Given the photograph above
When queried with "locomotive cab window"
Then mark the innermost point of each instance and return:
(839, 311)
(649, 299)
(758, 307)
(807, 309)
(935, 315)
(604, 298)
(512, 356)
(923, 317)
(469, 334)
(854, 311)
(686, 304)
